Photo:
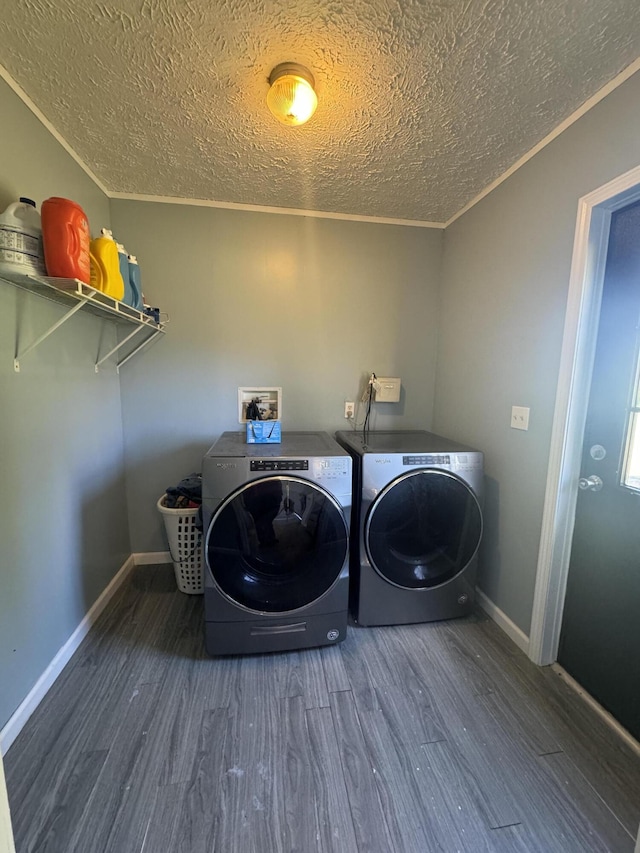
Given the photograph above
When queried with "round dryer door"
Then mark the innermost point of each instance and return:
(423, 529)
(277, 544)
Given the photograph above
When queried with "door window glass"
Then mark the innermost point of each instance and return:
(277, 545)
(631, 462)
(631, 476)
(423, 529)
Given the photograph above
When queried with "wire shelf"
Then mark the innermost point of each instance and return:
(77, 296)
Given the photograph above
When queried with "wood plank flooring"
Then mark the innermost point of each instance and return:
(406, 739)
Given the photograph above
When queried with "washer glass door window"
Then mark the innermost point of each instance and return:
(423, 529)
(277, 544)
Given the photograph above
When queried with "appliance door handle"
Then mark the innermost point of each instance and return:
(267, 630)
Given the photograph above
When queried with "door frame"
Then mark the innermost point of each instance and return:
(6, 835)
(572, 397)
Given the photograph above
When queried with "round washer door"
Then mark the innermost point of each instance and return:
(423, 529)
(277, 544)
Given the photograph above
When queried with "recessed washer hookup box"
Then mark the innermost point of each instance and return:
(264, 432)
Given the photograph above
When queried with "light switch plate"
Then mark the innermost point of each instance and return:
(519, 417)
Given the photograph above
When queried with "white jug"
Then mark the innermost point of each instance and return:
(21, 249)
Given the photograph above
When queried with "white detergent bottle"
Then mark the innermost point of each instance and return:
(21, 251)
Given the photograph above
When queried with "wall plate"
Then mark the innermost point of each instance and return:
(520, 417)
(387, 389)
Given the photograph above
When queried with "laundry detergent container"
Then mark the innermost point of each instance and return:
(66, 239)
(21, 250)
(105, 265)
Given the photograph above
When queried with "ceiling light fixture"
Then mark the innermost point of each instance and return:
(291, 96)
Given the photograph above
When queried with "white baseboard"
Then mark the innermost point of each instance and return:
(626, 736)
(502, 620)
(149, 558)
(17, 721)
(19, 718)
(522, 641)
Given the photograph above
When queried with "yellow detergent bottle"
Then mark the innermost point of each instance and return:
(105, 265)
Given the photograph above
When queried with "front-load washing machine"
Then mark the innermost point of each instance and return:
(276, 543)
(415, 528)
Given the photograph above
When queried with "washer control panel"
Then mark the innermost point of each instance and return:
(279, 465)
(325, 469)
(332, 468)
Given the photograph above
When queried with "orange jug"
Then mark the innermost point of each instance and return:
(65, 235)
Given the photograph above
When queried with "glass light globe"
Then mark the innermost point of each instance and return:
(291, 97)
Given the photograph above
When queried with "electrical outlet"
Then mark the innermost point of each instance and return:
(349, 409)
(519, 417)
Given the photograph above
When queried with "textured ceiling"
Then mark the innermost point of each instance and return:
(422, 103)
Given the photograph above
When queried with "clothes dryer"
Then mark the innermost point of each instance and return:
(416, 526)
(276, 543)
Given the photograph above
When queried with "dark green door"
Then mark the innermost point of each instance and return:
(600, 637)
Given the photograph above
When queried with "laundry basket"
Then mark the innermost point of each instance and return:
(185, 546)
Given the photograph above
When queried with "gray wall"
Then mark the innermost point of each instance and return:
(312, 305)
(505, 279)
(63, 520)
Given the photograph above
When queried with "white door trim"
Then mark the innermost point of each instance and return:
(6, 835)
(576, 365)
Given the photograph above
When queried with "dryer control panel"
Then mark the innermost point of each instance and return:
(459, 462)
(427, 460)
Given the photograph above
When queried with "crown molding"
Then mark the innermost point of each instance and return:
(589, 104)
(26, 100)
(286, 211)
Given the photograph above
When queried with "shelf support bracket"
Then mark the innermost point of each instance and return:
(66, 291)
(137, 349)
(104, 358)
(45, 335)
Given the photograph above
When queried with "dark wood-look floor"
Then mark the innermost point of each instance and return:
(435, 737)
